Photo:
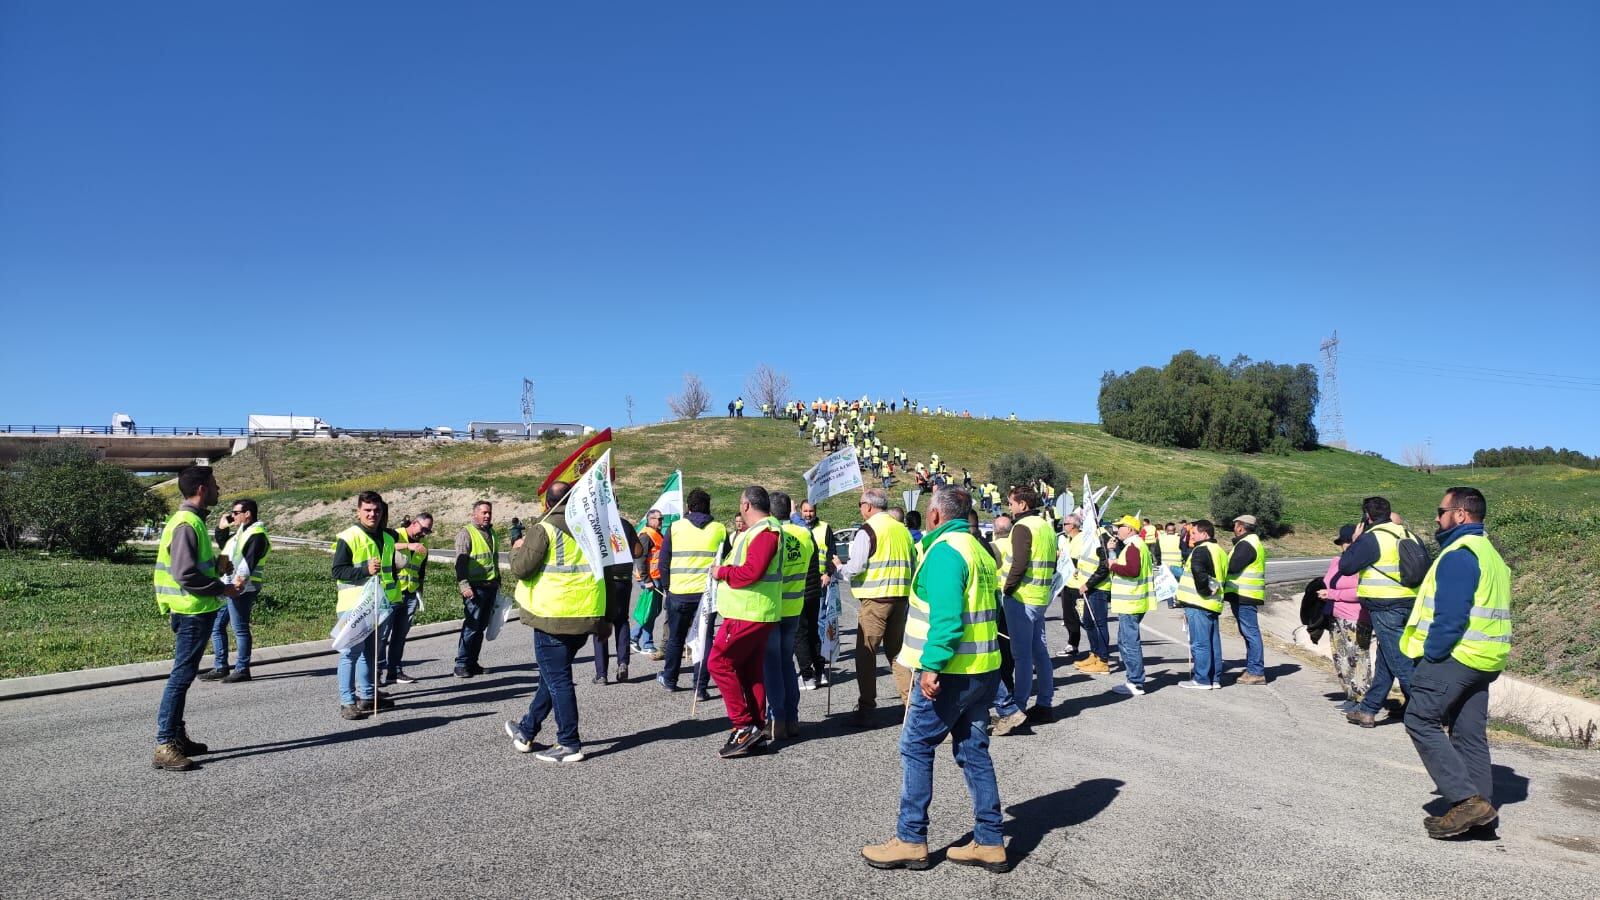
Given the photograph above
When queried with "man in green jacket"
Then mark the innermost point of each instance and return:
(952, 647)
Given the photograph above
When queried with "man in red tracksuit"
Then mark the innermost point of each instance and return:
(748, 598)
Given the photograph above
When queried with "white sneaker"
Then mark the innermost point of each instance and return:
(521, 744)
(1194, 685)
(559, 753)
(1129, 688)
(808, 684)
(1215, 686)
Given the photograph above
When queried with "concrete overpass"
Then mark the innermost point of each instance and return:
(136, 452)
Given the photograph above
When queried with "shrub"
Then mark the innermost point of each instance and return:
(65, 497)
(1238, 494)
(1023, 467)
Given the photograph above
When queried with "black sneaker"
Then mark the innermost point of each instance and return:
(475, 669)
(741, 741)
(352, 711)
(463, 672)
(599, 679)
(236, 676)
(702, 695)
(216, 674)
(622, 674)
(399, 676)
(666, 685)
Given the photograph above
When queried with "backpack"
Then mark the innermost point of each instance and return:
(1414, 561)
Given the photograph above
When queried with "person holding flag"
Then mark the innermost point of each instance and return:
(363, 550)
(563, 599)
(688, 555)
(1088, 579)
(749, 597)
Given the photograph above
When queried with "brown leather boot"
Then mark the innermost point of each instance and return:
(169, 756)
(991, 857)
(1463, 817)
(896, 854)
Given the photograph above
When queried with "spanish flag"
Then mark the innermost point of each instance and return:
(573, 467)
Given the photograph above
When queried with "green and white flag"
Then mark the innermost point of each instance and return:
(670, 503)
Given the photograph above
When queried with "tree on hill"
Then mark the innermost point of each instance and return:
(693, 402)
(1022, 467)
(1530, 456)
(768, 386)
(1239, 494)
(1197, 402)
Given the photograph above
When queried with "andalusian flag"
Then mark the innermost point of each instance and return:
(670, 503)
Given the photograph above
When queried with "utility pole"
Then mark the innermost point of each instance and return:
(1332, 419)
(527, 408)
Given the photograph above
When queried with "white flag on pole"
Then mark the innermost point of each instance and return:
(835, 474)
(911, 497)
(700, 639)
(595, 522)
(370, 612)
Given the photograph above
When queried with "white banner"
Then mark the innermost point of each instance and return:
(828, 623)
(911, 497)
(371, 612)
(700, 640)
(835, 474)
(595, 522)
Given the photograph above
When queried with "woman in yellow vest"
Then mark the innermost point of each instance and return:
(1460, 635)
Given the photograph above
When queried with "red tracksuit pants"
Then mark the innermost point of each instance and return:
(737, 653)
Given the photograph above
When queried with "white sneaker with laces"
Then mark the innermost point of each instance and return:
(1129, 688)
(560, 754)
(522, 745)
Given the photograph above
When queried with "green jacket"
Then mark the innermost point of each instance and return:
(941, 581)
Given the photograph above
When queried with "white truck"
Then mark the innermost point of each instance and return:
(288, 426)
(122, 423)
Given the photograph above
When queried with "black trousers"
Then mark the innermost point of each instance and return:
(807, 645)
(1069, 616)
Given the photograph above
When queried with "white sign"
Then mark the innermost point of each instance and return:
(595, 522)
(700, 640)
(835, 474)
(911, 497)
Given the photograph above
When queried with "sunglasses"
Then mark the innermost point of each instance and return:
(1445, 509)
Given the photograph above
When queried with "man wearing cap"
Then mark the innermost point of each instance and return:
(1245, 591)
(881, 560)
(1132, 595)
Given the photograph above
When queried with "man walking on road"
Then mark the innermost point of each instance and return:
(561, 599)
(478, 580)
(1460, 634)
(749, 600)
(189, 592)
(1245, 591)
(1374, 553)
(952, 644)
(881, 558)
(413, 571)
(243, 552)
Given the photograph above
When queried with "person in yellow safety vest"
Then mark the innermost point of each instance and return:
(1088, 581)
(1200, 592)
(750, 601)
(189, 591)
(564, 601)
(361, 552)
(1374, 555)
(1245, 590)
(688, 553)
(798, 566)
(1459, 632)
(1169, 549)
(881, 558)
(412, 556)
(1025, 584)
(478, 581)
(738, 407)
(952, 644)
(821, 588)
(243, 553)
(1132, 595)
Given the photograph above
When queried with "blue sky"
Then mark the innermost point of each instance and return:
(213, 209)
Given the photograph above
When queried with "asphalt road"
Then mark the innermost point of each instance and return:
(1248, 791)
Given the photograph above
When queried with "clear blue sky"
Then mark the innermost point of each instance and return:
(210, 209)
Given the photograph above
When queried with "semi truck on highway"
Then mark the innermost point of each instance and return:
(288, 426)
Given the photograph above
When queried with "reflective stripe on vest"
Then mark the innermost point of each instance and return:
(887, 574)
(565, 587)
(819, 536)
(234, 549)
(362, 548)
(797, 550)
(979, 648)
(483, 562)
(694, 553)
(1251, 584)
(1381, 580)
(761, 601)
(410, 574)
(170, 597)
(1188, 590)
(1136, 595)
(1035, 587)
(1486, 644)
(1171, 549)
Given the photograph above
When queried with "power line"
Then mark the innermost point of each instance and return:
(1551, 378)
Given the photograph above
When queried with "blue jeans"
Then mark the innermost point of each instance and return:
(237, 611)
(1205, 644)
(961, 709)
(778, 672)
(355, 669)
(1096, 607)
(681, 612)
(555, 654)
(474, 619)
(392, 644)
(1245, 614)
(644, 635)
(1032, 671)
(1128, 645)
(1388, 622)
(189, 644)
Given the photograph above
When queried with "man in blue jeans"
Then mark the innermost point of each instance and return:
(1374, 553)
(952, 647)
(798, 566)
(189, 592)
(243, 553)
(1245, 590)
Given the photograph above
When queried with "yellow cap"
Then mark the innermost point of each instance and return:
(1130, 522)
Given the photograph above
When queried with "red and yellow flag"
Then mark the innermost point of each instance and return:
(573, 467)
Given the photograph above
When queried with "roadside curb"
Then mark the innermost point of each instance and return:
(88, 679)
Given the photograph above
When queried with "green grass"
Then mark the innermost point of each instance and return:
(59, 614)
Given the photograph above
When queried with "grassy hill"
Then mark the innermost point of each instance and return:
(317, 479)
